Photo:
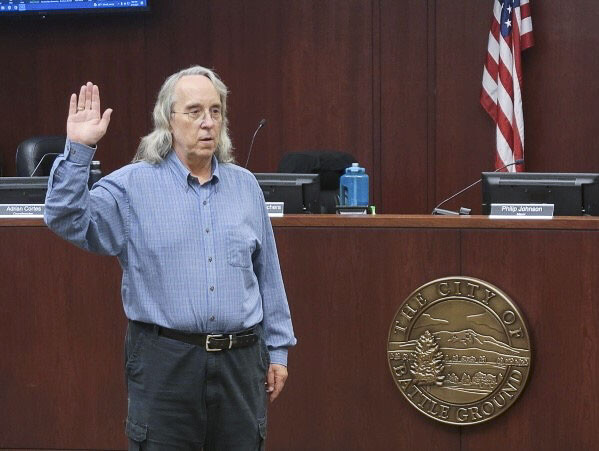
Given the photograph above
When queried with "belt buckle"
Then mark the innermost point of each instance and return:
(209, 336)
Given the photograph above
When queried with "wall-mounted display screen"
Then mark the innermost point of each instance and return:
(46, 7)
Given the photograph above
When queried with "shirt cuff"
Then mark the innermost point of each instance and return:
(278, 356)
(79, 153)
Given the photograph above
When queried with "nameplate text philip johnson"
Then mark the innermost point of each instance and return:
(521, 211)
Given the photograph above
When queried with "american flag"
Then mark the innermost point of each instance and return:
(501, 95)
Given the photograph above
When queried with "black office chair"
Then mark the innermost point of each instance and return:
(330, 165)
(36, 155)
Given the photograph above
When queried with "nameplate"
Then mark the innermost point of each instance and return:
(521, 211)
(351, 210)
(275, 209)
(21, 210)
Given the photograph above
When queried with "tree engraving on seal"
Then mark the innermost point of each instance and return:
(427, 366)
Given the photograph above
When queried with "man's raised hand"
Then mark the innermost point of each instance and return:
(85, 125)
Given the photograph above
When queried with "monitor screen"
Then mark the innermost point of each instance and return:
(572, 194)
(299, 192)
(23, 190)
(45, 7)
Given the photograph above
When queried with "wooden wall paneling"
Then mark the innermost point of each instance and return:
(17, 91)
(61, 341)
(376, 171)
(561, 87)
(403, 102)
(431, 105)
(53, 59)
(309, 67)
(229, 38)
(119, 58)
(552, 278)
(464, 133)
(247, 53)
(340, 393)
(177, 36)
(306, 67)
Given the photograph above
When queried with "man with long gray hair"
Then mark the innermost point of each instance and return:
(209, 324)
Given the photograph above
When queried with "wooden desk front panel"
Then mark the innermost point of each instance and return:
(553, 276)
(61, 333)
(61, 344)
(550, 274)
(344, 287)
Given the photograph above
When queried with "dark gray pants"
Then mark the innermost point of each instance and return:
(181, 397)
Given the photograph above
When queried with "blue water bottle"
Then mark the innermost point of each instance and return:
(353, 187)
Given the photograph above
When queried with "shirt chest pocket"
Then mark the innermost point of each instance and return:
(240, 248)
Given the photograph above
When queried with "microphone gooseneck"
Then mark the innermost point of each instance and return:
(261, 124)
(466, 211)
(44, 158)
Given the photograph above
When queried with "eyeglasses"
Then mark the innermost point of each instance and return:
(214, 113)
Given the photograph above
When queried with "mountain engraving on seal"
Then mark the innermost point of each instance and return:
(470, 361)
(467, 347)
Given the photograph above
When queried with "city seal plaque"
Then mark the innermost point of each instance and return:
(459, 350)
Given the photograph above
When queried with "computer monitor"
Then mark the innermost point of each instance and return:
(299, 192)
(572, 194)
(23, 190)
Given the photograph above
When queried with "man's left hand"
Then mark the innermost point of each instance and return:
(275, 380)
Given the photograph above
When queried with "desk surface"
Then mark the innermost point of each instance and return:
(402, 221)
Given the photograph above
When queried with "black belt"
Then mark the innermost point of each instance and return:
(213, 342)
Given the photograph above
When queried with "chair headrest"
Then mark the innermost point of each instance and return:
(32, 150)
(329, 164)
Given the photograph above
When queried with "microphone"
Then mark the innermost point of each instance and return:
(466, 211)
(261, 124)
(44, 159)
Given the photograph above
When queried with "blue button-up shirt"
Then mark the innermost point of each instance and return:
(196, 258)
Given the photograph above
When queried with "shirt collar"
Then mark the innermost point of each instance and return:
(182, 172)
